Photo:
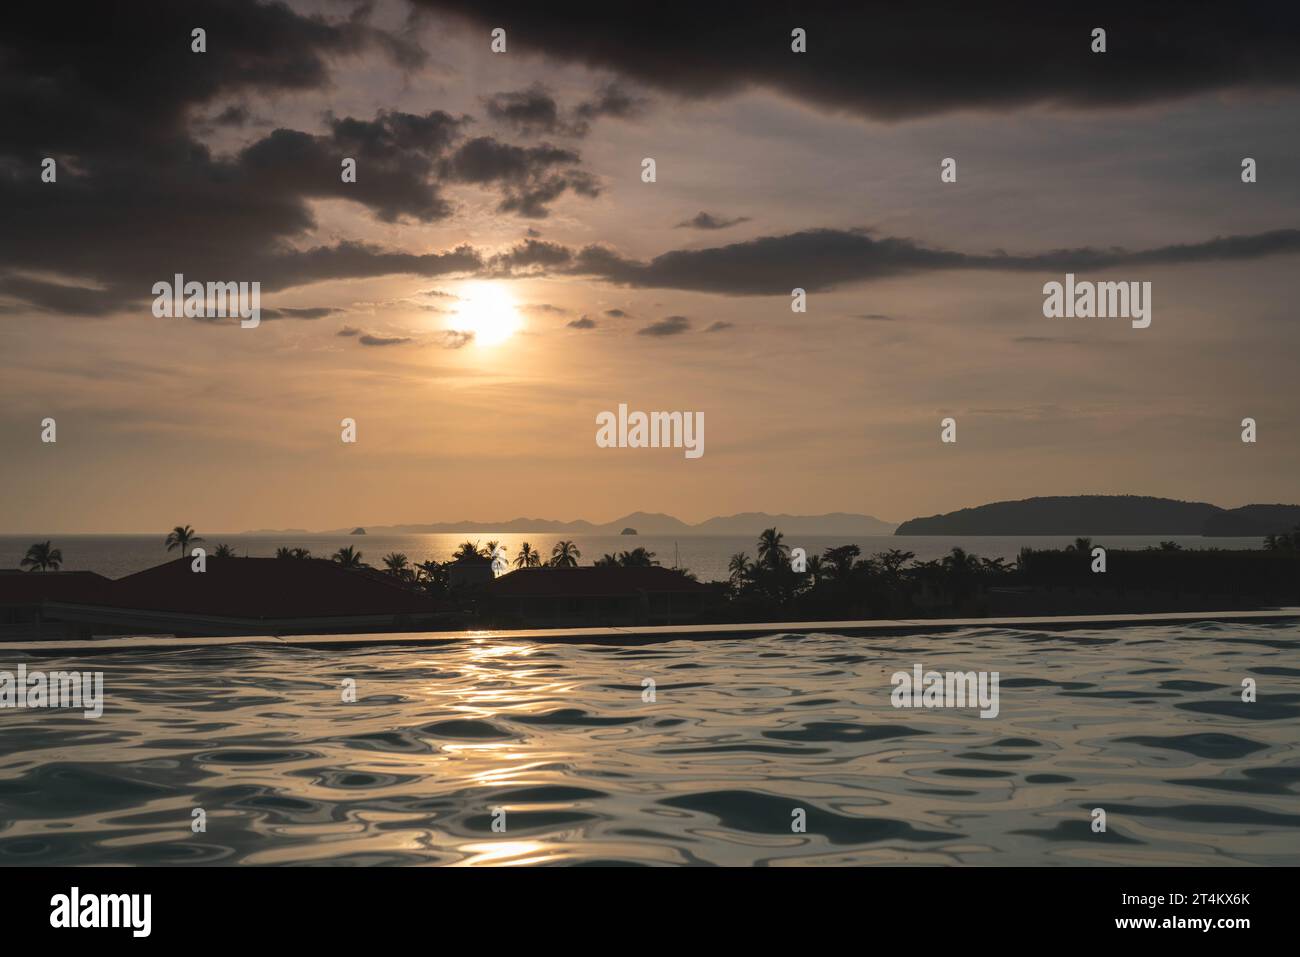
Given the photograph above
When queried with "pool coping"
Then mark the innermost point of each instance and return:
(656, 633)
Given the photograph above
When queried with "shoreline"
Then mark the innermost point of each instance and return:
(657, 633)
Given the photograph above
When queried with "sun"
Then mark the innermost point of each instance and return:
(488, 311)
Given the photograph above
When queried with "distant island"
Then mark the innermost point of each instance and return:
(1107, 515)
(650, 523)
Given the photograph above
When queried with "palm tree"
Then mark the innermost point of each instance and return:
(606, 560)
(816, 569)
(42, 557)
(771, 550)
(224, 551)
(432, 577)
(994, 567)
(466, 550)
(637, 558)
(1080, 545)
(348, 557)
(182, 537)
(739, 566)
(396, 564)
(840, 561)
(527, 557)
(490, 549)
(565, 554)
(284, 552)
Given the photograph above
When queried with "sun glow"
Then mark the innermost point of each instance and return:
(488, 312)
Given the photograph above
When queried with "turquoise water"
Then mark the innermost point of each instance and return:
(1145, 723)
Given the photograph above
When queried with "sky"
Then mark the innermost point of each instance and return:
(500, 273)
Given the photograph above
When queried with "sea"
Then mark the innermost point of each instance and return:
(704, 555)
(772, 751)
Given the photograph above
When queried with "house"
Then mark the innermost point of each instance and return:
(468, 571)
(234, 596)
(592, 596)
(23, 597)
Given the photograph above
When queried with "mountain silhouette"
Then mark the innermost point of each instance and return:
(1105, 515)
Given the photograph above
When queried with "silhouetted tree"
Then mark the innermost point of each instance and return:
(467, 550)
(637, 558)
(527, 557)
(396, 564)
(182, 537)
(565, 554)
(348, 557)
(42, 557)
(771, 550)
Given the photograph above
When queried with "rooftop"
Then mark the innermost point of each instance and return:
(260, 588)
(592, 581)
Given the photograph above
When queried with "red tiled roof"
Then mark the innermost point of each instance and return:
(591, 581)
(265, 588)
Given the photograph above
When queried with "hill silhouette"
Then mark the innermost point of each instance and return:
(656, 523)
(1074, 515)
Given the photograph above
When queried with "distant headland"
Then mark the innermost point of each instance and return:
(1107, 515)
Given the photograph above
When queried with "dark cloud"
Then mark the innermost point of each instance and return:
(535, 111)
(122, 77)
(703, 220)
(586, 322)
(397, 156)
(369, 340)
(530, 177)
(719, 326)
(819, 259)
(288, 312)
(353, 260)
(544, 308)
(117, 98)
(234, 115)
(669, 326)
(612, 100)
(873, 317)
(57, 297)
(615, 313)
(893, 61)
(529, 254)
(530, 112)
(349, 331)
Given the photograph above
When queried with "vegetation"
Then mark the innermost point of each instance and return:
(224, 551)
(527, 558)
(42, 557)
(348, 557)
(565, 554)
(1285, 542)
(843, 583)
(182, 537)
(397, 565)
